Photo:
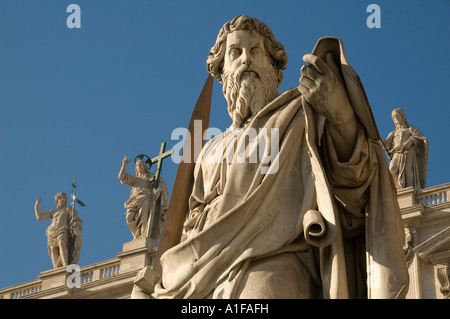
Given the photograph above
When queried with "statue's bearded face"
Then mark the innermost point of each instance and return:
(249, 79)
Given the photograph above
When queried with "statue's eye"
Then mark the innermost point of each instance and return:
(256, 51)
(235, 52)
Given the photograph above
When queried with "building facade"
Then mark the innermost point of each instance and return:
(426, 217)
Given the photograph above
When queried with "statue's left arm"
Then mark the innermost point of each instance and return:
(415, 138)
(344, 146)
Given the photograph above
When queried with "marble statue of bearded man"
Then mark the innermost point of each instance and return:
(321, 219)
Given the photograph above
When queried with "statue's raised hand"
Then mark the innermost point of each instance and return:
(126, 161)
(322, 87)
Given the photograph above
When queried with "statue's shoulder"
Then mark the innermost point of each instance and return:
(213, 142)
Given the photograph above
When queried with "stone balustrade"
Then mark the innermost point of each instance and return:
(110, 270)
(88, 274)
(23, 290)
(427, 197)
(434, 195)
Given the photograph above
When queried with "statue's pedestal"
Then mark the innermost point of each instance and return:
(144, 283)
(139, 243)
(137, 253)
(53, 277)
(140, 252)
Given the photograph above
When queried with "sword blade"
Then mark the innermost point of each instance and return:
(184, 180)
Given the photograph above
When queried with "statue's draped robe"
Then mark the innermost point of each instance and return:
(237, 214)
(69, 217)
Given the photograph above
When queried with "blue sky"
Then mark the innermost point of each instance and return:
(73, 102)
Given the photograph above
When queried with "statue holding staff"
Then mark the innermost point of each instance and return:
(64, 232)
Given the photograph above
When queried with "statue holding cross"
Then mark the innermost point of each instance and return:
(148, 200)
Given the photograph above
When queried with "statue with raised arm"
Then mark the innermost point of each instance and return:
(408, 150)
(64, 232)
(145, 201)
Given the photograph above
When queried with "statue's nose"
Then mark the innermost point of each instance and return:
(246, 58)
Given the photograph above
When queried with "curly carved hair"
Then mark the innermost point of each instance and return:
(277, 54)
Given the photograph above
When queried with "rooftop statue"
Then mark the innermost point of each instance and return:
(64, 232)
(146, 201)
(408, 149)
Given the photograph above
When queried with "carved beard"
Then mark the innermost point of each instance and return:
(248, 91)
